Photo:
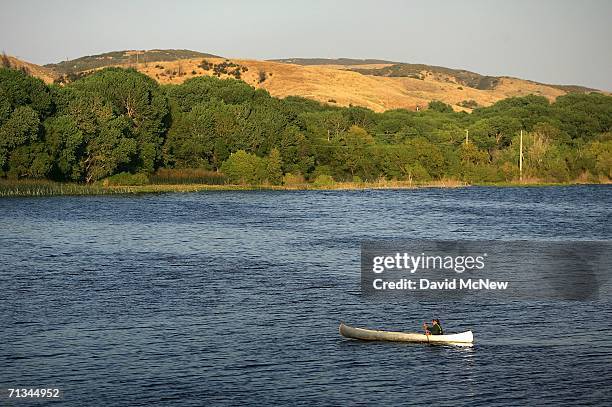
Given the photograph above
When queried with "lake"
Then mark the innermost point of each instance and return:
(234, 297)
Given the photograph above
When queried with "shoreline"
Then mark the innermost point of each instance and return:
(29, 188)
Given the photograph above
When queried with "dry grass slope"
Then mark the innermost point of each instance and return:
(47, 75)
(330, 82)
(337, 85)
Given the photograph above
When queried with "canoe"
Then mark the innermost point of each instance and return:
(373, 335)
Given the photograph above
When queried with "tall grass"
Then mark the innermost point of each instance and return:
(10, 188)
(186, 176)
(181, 183)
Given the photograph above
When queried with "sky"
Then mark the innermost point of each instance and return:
(561, 42)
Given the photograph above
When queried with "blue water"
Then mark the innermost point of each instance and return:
(235, 298)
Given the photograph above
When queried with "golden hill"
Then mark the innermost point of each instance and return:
(374, 84)
(341, 86)
(46, 74)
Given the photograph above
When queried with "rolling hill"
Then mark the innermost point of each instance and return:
(376, 84)
(46, 74)
(122, 58)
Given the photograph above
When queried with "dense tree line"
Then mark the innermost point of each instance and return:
(121, 121)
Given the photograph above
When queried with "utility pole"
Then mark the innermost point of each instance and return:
(467, 136)
(521, 158)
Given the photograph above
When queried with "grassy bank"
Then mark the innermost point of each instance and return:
(11, 188)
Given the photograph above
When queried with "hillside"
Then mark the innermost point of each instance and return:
(124, 58)
(331, 61)
(337, 85)
(47, 75)
(459, 76)
(376, 84)
(419, 71)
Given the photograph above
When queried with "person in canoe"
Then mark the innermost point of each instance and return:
(434, 329)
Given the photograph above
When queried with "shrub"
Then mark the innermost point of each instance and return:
(441, 107)
(205, 65)
(470, 104)
(244, 168)
(293, 179)
(125, 178)
(274, 167)
(262, 76)
(323, 181)
(482, 173)
(416, 172)
(187, 176)
(321, 170)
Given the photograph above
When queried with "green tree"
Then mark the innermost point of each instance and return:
(470, 154)
(109, 150)
(244, 168)
(138, 99)
(351, 150)
(600, 154)
(19, 89)
(22, 127)
(24, 102)
(427, 155)
(274, 167)
(64, 142)
(30, 160)
(440, 107)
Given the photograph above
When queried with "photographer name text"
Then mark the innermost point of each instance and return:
(446, 284)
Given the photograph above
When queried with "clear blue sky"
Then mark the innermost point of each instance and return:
(563, 41)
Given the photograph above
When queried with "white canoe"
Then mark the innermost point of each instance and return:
(373, 335)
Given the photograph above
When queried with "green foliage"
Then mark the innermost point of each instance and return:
(470, 104)
(109, 150)
(127, 179)
(36, 187)
(323, 180)
(118, 121)
(137, 100)
(19, 89)
(352, 150)
(21, 127)
(296, 179)
(64, 141)
(274, 167)
(24, 102)
(244, 168)
(186, 176)
(440, 107)
(416, 172)
(16, 133)
(321, 170)
(601, 153)
(29, 161)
